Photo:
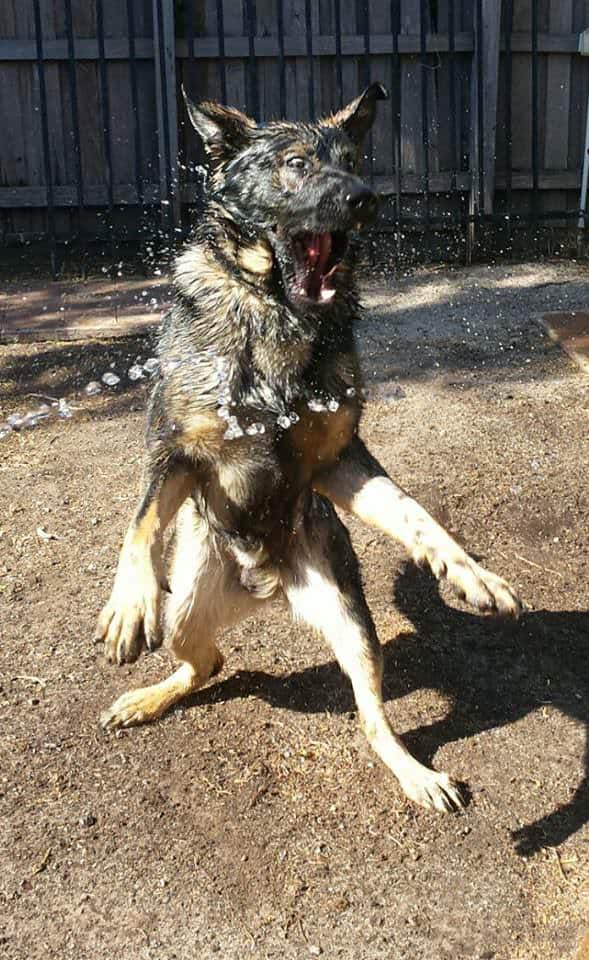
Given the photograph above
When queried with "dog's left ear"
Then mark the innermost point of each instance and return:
(224, 130)
(357, 118)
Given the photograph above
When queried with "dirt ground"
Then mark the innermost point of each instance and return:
(254, 822)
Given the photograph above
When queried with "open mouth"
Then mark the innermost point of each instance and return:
(316, 258)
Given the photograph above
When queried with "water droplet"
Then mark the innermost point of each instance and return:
(255, 428)
(284, 421)
(111, 379)
(233, 430)
(92, 388)
(316, 405)
(333, 405)
(151, 365)
(135, 372)
(64, 410)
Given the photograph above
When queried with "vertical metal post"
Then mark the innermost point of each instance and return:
(582, 221)
(425, 122)
(338, 52)
(281, 60)
(476, 135)
(135, 102)
(396, 111)
(480, 105)
(508, 113)
(221, 39)
(106, 127)
(253, 92)
(45, 135)
(165, 74)
(365, 30)
(535, 144)
(73, 84)
(310, 61)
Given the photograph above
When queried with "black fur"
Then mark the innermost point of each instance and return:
(259, 341)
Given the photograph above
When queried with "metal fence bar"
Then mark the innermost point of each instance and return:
(452, 92)
(364, 29)
(311, 63)
(221, 38)
(337, 11)
(106, 126)
(167, 199)
(73, 85)
(396, 113)
(45, 138)
(480, 107)
(253, 93)
(135, 102)
(508, 115)
(281, 59)
(535, 144)
(425, 122)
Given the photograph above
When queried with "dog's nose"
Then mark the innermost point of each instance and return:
(362, 203)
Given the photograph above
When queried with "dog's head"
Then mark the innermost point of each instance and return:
(294, 185)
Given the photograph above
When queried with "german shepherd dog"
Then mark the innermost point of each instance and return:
(253, 431)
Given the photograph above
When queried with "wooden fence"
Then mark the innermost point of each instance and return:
(486, 117)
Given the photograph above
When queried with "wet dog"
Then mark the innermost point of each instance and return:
(253, 430)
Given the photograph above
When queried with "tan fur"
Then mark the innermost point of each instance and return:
(256, 258)
(135, 601)
(381, 503)
(319, 436)
(198, 273)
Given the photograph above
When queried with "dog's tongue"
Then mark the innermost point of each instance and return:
(318, 252)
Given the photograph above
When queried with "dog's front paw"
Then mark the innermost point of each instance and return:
(435, 791)
(483, 590)
(131, 618)
(480, 588)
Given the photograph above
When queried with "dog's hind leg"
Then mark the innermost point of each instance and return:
(361, 486)
(206, 598)
(322, 584)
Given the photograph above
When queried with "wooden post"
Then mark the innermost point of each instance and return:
(164, 44)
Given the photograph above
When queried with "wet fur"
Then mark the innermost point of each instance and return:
(253, 433)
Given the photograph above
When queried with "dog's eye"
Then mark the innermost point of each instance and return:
(296, 163)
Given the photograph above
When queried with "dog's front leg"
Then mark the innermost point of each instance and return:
(361, 486)
(132, 614)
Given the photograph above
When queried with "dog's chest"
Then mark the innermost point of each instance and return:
(318, 437)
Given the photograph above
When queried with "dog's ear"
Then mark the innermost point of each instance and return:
(357, 118)
(224, 130)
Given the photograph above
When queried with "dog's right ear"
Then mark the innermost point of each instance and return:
(224, 130)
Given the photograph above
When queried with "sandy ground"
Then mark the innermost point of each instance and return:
(254, 822)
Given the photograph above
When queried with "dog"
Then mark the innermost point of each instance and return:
(253, 424)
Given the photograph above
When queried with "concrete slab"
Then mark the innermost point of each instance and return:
(570, 329)
(67, 310)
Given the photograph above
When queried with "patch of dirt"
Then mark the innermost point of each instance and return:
(254, 821)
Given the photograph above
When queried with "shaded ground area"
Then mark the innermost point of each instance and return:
(254, 821)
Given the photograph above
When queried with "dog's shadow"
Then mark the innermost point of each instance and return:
(493, 672)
